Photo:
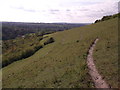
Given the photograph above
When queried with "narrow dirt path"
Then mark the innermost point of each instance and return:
(96, 77)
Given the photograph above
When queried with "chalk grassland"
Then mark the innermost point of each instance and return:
(106, 54)
(63, 62)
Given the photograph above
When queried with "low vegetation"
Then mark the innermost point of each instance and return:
(106, 51)
(108, 17)
(22, 47)
(62, 64)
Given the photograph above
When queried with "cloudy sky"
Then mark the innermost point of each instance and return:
(48, 11)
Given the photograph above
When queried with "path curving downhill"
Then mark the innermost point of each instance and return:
(96, 77)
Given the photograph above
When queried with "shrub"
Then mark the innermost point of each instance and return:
(50, 40)
(97, 21)
(77, 41)
(108, 17)
(11, 58)
(27, 53)
(40, 38)
(36, 48)
(15, 56)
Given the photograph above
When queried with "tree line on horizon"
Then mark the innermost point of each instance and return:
(108, 17)
(11, 30)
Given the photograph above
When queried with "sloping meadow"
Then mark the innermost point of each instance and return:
(63, 63)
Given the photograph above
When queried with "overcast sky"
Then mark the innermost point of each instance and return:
(48, 11)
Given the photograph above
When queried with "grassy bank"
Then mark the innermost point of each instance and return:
(63, 63)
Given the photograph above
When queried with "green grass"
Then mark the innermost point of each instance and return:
(63, 63)
(106, 54)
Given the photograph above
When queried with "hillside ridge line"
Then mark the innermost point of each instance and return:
(96, 77)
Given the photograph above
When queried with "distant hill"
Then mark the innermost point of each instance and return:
(11, 30)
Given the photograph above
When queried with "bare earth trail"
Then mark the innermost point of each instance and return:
(96, 77)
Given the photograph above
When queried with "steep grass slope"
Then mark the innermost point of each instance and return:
(63, 63)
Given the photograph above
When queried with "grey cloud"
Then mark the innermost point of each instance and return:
(22, 8)
(30, 10)
(83, 9)
(68, 10)
(99, 14)
(54, 11)
(68, 15)
(90, 3)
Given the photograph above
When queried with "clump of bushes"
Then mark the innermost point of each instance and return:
(77, 41)
(36, 48)
(108, 17)
(20, 55)
(97, 21)
(50, 40)
(27, 53)
(11, 57)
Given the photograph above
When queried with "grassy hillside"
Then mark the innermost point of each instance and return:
(63, 63)
(106, 53)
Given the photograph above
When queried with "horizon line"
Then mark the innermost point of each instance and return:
(43, 22)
